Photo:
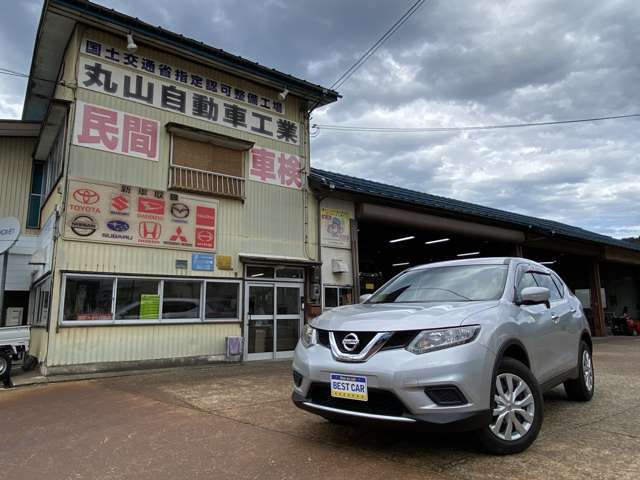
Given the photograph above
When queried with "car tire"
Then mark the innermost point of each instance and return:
(516, 403)
(5, 366)
(581, 389)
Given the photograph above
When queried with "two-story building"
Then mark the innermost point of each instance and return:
(168, 207)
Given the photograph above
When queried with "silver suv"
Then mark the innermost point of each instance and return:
(465, 345)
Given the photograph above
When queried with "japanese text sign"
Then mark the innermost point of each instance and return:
(172, 96)
(154, 67)
(276, 168)
(121, 214)
(115, 131)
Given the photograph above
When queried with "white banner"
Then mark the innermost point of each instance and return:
(168, 95)
(122, 214)
(114, 131)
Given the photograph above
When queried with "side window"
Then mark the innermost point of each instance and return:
(558, 283)
(545, 281)
(526, 280)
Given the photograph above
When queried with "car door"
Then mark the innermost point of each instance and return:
(538, 328)
(570, 322)
(560, 350)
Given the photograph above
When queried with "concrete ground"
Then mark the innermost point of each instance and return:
(237, 422)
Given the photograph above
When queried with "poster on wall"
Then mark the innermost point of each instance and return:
(122, 214)
(335, 228)
(110, 130)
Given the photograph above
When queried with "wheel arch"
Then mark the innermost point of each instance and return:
(586, 337)
(515, 349)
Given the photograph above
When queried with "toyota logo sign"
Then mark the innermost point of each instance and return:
(86, 196)
(350, 342)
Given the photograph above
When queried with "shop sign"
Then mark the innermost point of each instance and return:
(114, 131)
(224, 262)
(122, 214)
(275, 168)
(151, 66)
(202, 262)
(185, 100)
(335, 228)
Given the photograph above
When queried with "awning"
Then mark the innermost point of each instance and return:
(54, 121)
(277, 259)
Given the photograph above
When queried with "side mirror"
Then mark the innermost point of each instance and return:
(534, 296)
(364, 298)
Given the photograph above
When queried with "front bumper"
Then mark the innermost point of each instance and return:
(403, 377)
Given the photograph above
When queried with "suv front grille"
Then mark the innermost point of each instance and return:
(380, 402)
(398, 339)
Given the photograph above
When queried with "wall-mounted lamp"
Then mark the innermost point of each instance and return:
(131, 45)
(283, 94)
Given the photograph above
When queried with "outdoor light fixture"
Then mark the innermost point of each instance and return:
(550, 262)
(403, 239)
(283, 94)
(431, 242)
(469, 254)
(257, 275)
(401, 264)
(131, 45)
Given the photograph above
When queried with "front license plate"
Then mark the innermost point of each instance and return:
(349, 386)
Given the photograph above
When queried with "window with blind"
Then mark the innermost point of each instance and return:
(206, 168)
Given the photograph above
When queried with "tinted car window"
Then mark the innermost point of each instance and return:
(462, 283)
(545, 281)
(559, 284)
(526, 280)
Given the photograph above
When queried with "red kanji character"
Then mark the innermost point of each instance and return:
(99, 125)
(289, 170)
(263, 164)
(140, 136)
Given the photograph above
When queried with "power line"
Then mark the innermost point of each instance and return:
(365, 56)
(352, 128)
(13, 73)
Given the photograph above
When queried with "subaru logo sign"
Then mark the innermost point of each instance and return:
(350, 342)
(118, 225)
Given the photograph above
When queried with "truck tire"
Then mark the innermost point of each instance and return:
(5, 366)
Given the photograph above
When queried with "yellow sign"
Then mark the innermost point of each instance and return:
(224, 262)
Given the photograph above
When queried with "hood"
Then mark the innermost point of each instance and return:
(386, 317)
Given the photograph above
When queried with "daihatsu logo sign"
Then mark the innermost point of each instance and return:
(9, 233)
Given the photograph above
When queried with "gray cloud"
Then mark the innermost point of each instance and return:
(454, 63)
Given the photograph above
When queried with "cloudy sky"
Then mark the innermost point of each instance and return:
(454, 63)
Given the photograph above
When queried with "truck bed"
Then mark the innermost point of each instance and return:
(14, 336)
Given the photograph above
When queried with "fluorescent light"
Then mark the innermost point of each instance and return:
(401, 264)
(550, 262)
(403, 239)
(431, 242)
(257, 275)
(469, 254)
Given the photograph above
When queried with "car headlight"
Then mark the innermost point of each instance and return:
(431, 340)
(309, 336)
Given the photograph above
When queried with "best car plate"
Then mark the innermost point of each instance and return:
(349, 386)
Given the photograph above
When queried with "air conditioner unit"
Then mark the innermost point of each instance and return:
(339, 266)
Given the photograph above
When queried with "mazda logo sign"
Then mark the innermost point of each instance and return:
(350, 342)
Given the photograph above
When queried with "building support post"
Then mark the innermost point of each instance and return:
(596, 300)
(518, 250)
(355, 260)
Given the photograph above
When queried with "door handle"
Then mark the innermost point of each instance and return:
(573, 310)
(555, 318)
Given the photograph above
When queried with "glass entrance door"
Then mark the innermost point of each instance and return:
(273, 319)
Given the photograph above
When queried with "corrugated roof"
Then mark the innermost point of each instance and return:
(413, 197)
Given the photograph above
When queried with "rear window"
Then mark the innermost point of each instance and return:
(460, 283)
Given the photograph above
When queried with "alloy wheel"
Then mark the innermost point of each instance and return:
(3, 366)
(587, 370)
(514, 408)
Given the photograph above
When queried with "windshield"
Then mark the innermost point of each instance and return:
(461, 283)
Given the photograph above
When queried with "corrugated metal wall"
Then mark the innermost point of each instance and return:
(38, 343)
(79, 345)
(271, 221)
(15, 177)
